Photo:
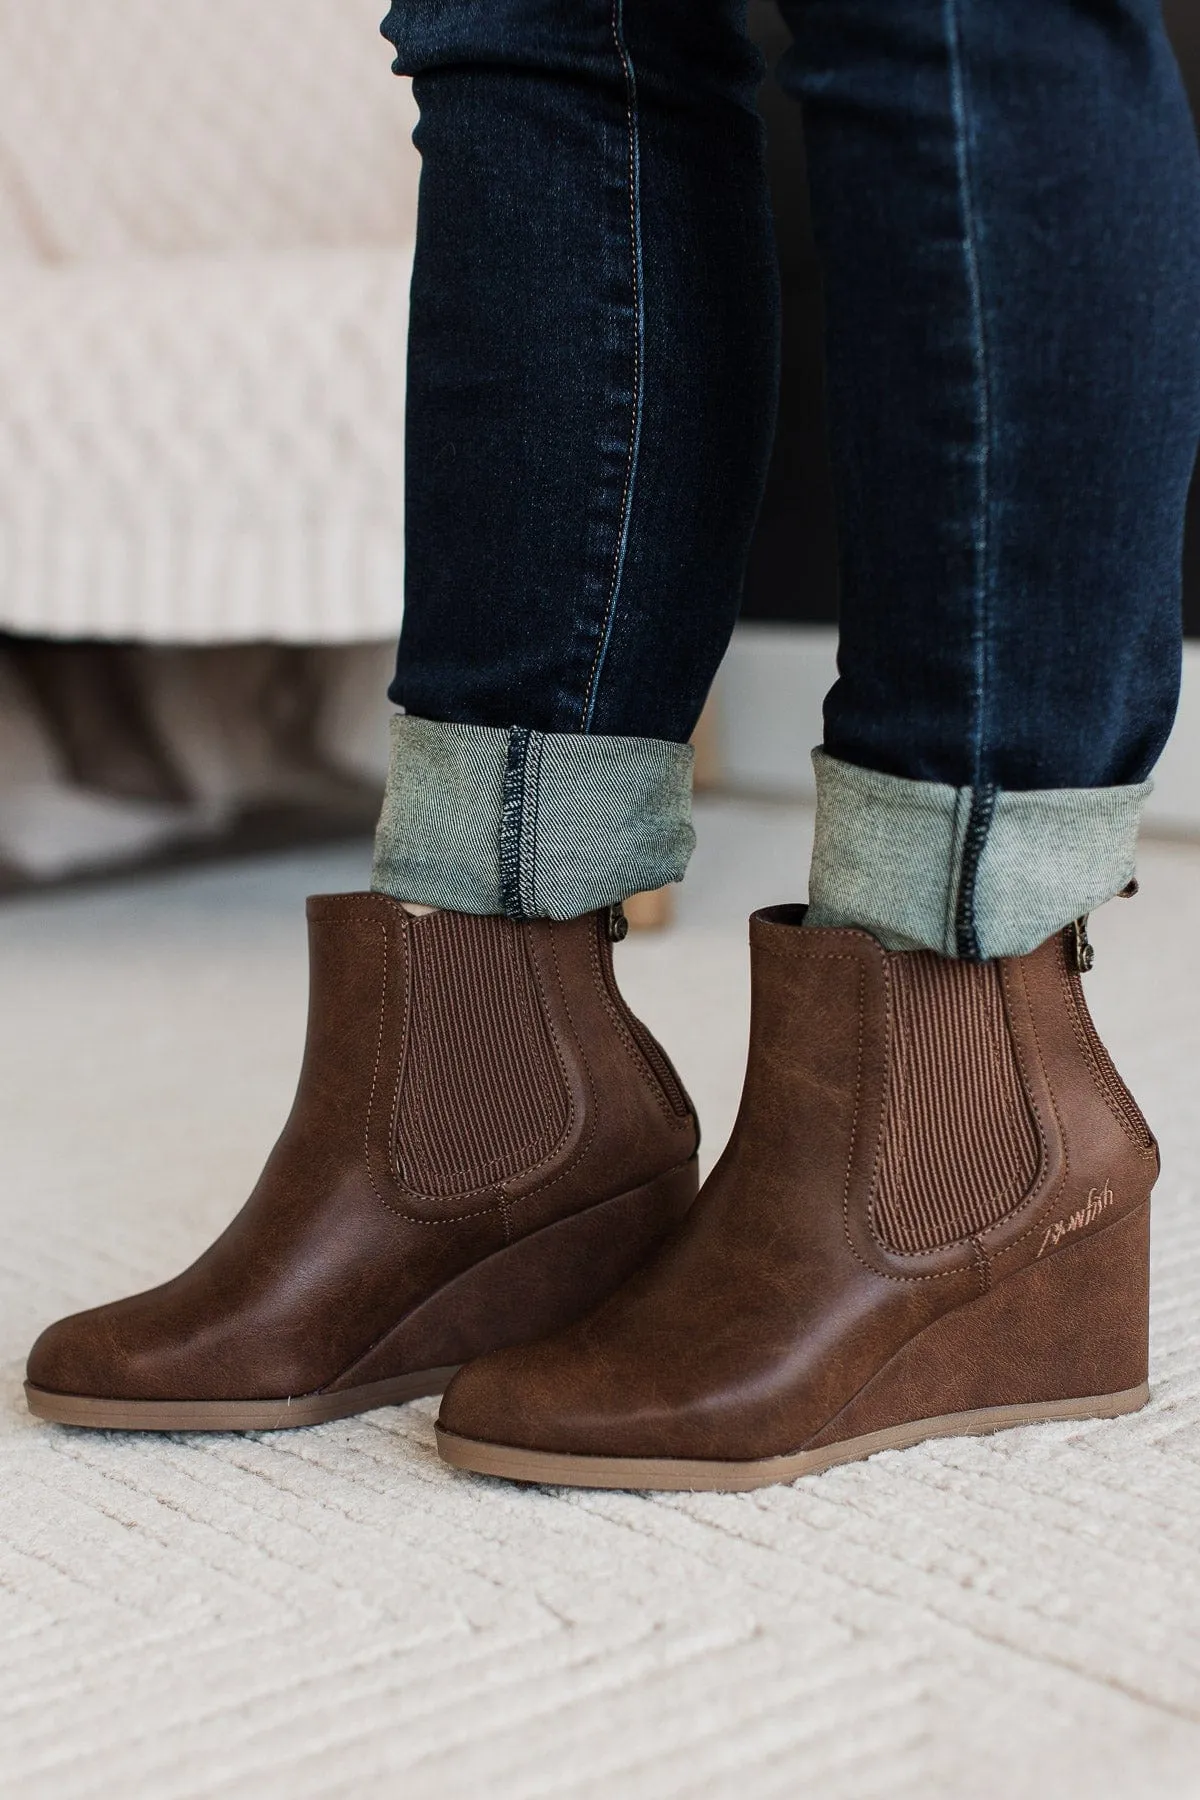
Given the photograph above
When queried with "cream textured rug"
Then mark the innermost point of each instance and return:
(330, 1613)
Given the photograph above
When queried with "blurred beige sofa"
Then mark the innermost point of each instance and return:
(206, 222)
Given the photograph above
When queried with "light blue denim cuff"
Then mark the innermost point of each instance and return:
(533, 824)
(969, 872)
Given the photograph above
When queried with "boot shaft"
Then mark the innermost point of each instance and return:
(484, 1144)
(470, 1062)
(968, 1115)
(931, 1218)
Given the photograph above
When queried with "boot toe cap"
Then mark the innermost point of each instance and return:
(559, 1395)
(523, 1397)
(80, 1354)
(599, 1389)
(122, 1351)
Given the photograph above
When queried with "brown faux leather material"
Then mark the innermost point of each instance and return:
(1065, 1328)
(793, 1304)
(483, 1143)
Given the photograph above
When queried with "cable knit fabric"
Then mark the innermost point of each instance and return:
(206, 222)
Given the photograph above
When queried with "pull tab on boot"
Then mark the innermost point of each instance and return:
(1085, 955)
(618, 924)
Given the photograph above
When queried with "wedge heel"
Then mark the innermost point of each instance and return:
(529, 1288)
(485, 1141)
(932, 1219)
(979, 1369)
(1072, 1327)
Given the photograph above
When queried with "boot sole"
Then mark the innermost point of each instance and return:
(1082, 1314)
(232, 1415)
(673, 1475)
(513, 1295)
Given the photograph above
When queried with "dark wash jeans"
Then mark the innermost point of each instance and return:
(1007, 205)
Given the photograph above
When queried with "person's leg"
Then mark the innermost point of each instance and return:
(1007, 202)
(932, 1215)
(485, 1141)
(592, 373)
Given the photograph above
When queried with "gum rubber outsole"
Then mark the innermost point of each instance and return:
(232, 1415)
(669, 1474)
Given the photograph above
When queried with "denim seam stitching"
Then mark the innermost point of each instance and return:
(639, 347)
(982, 363)
(533, 811)
(983, 799)
(959, 820)
(512, 820)
(983, 810)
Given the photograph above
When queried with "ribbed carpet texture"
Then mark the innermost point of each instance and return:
(331, 1613)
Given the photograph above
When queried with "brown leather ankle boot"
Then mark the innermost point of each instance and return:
(484, 1143)
(932, 1219)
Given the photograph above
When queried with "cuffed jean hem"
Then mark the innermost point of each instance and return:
(531, 824)
(970, 872)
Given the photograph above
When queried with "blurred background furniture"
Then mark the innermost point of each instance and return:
(206, 224)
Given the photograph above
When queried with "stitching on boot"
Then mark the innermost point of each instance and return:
(390, 1205)
(959, 1145)
(637, 1055)
(881, 1274)
(585, 1144)
(1051, 1199)
(482, 1072)
(1138, 1138)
